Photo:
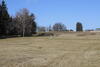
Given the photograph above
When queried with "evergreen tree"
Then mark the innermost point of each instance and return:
(79, 27)
(5, 18)
(34, 26)
(0, 18)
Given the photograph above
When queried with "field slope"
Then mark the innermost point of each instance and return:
(66, 50)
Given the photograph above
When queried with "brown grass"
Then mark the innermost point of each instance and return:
(65, 50)
(86, 33)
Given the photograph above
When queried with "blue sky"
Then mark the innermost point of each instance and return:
(69, 12)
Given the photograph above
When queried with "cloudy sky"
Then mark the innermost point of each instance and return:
(66, 11)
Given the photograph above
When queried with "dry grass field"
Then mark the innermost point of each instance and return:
(65, 50)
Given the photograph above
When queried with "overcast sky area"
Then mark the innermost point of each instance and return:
(69, 12)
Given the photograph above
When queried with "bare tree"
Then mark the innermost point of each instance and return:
(50, 28)
(41, 29)
(25, 22)
(59, 27)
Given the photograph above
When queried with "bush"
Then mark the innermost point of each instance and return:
(45, 34)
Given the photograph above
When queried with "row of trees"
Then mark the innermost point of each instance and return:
(55, 27)
(59, 27)
(22, 24)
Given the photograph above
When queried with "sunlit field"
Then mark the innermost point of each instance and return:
(64, 50)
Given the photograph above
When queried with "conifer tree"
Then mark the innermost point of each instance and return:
(5, 18)
(0, 18)
(34, 25)
(79, 27)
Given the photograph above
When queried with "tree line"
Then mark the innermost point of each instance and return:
(60, 27)
(23, 23)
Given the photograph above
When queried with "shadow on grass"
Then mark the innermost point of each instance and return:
(11, 36)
